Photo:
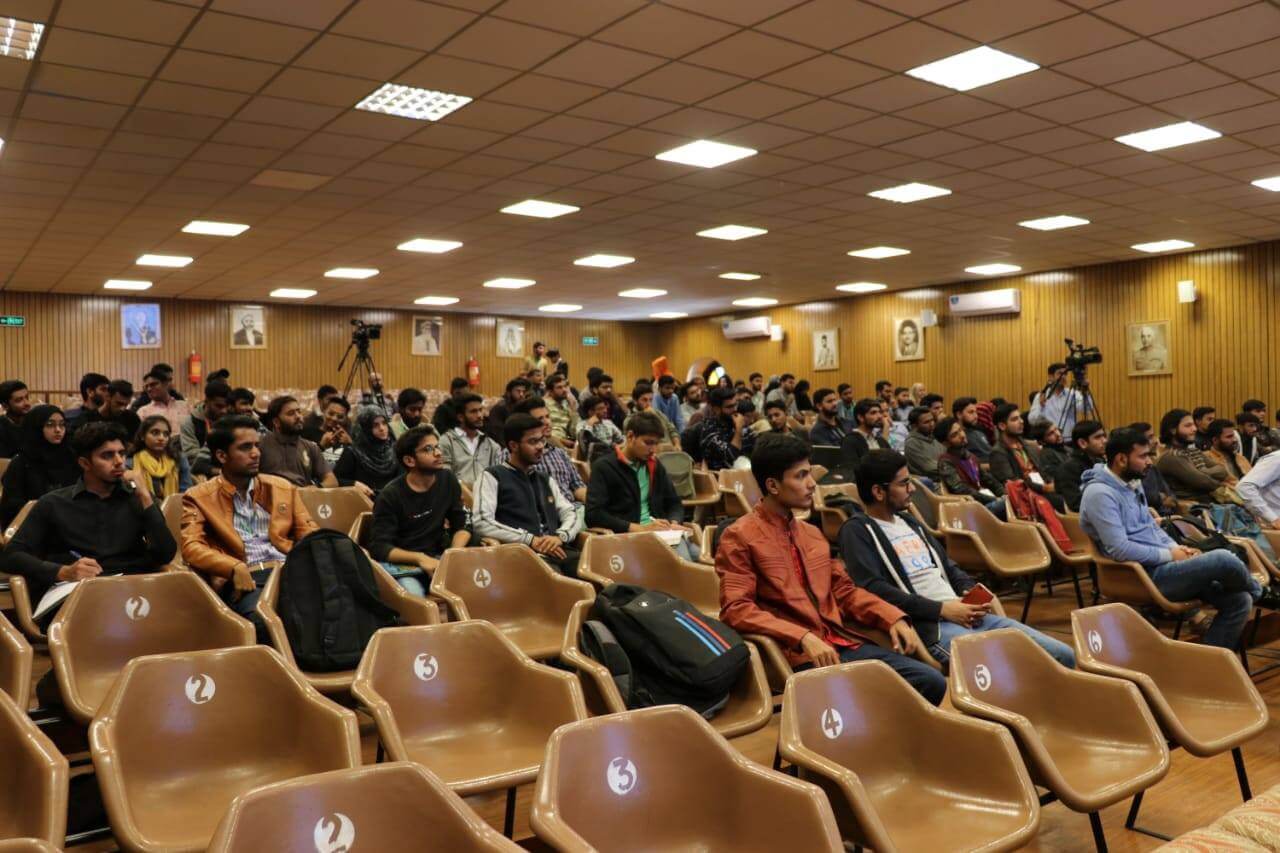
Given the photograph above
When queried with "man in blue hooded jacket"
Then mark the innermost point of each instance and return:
(1113, 511)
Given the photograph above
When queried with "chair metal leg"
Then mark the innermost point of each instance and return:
(1130, 822)
(1099, 837)
(1177, 626)
(1242, 775)
(1093, 578)
(1048, 582)
(777, 758)
(1075, 582)
(1026, 604)
(381, 756)
(509, 820)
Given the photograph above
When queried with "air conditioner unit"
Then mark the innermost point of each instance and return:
(1006, 301)
(751, 327)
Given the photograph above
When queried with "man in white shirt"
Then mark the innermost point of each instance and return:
(1260, 488)
(162, 402)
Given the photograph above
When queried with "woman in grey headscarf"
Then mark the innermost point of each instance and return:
(371, 457)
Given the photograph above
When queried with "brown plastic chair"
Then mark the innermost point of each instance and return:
(662, 779)
(334, 509)
(833, 518)
(397, 806)
(171, 507)
(511, 587)
(412, 609)
(33, 778)
(1089, 739)
(1128, 582)
(900, 773)
(928, 503)
(1070, 563)
(27, 845)
(15, 664)
(180, 736)
(739, 490)
(12, 529)
(23, 609)
(107, 622)
(706, 489)
(584, 469)
(464, 701)
(980, 542)
(645, 560)
(750, 705)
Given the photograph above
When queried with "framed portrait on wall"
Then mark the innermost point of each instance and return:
(427, 333)
(140, 326)
(826, 349)
(510, 339)
(908, 339)
(1147, 348)
(248, 327)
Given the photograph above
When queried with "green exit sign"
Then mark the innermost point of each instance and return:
(590, 341)
(12, 320)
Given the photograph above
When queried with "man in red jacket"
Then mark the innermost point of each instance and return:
(777, 578)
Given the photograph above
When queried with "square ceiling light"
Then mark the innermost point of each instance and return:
(907, 193)
(126, 284)
(510, 283)
(604, 261)
(973, 68)
(430, 247)
(642, 293)
(1162, 246)
(1169, 136)
(1054, 223)
(755, 302)
(351, 272)
(993, 269)
(861, 287)
(559, 308)
(1272, 184)
(436, 300)
(732, 232)
(292, 293)
(174, 261)
(540, 209)
(879, 253)
(214, 229)
(740, 276)
(20, 39)
(408, 102)
(669, 315)
(706, 154)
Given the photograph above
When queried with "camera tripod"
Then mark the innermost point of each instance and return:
(362, 369)
(1088, 405)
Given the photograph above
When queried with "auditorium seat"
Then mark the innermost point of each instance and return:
(928, 503)
(645, 560)
(171, 507)
(1070, 563)
(389, 807)
(698, 490)
(463, 701)
(16, 522)
(180, 736)
(980, 542)
(739, 490)
(33, 779)
(662, 779)
(107, 622)
(23, 608)
(334, 509)
(27, 845)
(832, 518)
(412, 609)
(15, 664)
(511, 587)
(1129, 583)
(1089, 739)
(902, 774)
(750, 705)
(584, 469)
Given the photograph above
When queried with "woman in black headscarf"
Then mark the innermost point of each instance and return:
(370, 458)
(44, 462)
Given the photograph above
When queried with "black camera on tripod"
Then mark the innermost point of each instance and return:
(1080, 356)
(365, 332)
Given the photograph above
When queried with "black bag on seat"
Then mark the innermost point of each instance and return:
(329, 602)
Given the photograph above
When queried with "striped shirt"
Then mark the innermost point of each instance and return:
(252, 523)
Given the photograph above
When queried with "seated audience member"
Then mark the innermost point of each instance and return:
(642, 395)
(847, 396)
(1016, 458)
(828, 429)
(1057, 402)
(921, 448)
(1257, 408)
(600, 386)
(105, 523)
(516, 503)
(156, 456)
(165, 372)
(285, 453)
(722, 440)
(756, 383)
(597, 429)
(884, 393)
(868, 432)
(902, 404)
(894, 557)
(409, 404)
(114, 410)
(420, 513)
(553, 363)
(668, 404)
(1203, 416)
(562, 411)
(555, 463)
(776, 422)
(369, 462)
(16, 400)
(157, 385)
(1160, 496)
(959, 471)
(1224, 449)
(1248, 425)
(313, 424)
(777, 578)
(93, 393)
(445, 417)
(1089, 443)
(1053, 447)
(467, 450)
(1184, 465)
(242, 401)
(1115, 516)
(694, 397)
(803, 402)
(44, 462)
(966, 410)
(934, 403)
(517, 389)
(785, 393)
(1260, 487)
(194, 430)
(242, 518)
(335, 431)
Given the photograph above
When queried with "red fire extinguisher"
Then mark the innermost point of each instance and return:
(195, 368)
(473, 372)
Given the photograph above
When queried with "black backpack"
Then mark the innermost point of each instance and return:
(675, 654)
(1193, 533)
(691, 440)
(329, 602)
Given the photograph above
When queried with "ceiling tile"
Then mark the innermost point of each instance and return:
(506, 43)
(288, 113)
(744, 12)
(247, 38)
(145, 20)
(822, 116)
(544, 93)
(880, 130)
(1082, 105)
(914, 43)
(599, 64)
(83, 83)
(828, 24)
(577, 131)
(340, 54)
(1171, 82)
(408, 23)
(198, 100)
(989, 20)
(756, 100)
(578, 17)
(313, 14)
(624, 108)
(750, 54)
(211, 69)
(1233, 30)
(1003, 126)
(825, 75)
(1153, 16)
(1066, 39)
(1213, 101)
(319, 87)
(891, 93)
(1121, 63)
(665, 31)
(90, 50)
(683, 84)
(459, 76)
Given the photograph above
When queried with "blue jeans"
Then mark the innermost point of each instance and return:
(1218, 578)
(948, 631)
(927, 681)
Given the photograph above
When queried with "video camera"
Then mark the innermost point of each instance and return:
(365, 332)
(1080, 356)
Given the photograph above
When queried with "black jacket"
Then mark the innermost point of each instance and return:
(1004, 466)
(613, 495)
(1067, 482)
(875, 567)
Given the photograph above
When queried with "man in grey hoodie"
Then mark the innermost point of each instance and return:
(1113, 511)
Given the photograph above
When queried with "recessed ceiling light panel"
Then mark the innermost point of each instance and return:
(755, 302)
(126, 284)
(861, 287)
(409, 102)
(292, 293)
(428, 246)
(1054, 223)
(668, 315)
(351, 272)
(20, 39)
(559, 308)
(436, 300)
(510, 283)
(215, 229)
(993, 269)
(642, 293)
(1169, 136)
(879, 253)
(1162, 246)
(540, 209)
(1272, 184)
(973, 68)
(740, 276)
(604, 261)
(732, 232)
(174, 261)
(706, 154)
(907, 193)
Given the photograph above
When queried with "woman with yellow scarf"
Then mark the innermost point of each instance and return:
(159, 459)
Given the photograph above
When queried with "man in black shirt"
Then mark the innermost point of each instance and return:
(114, 410)
(17, 402)
(420, 513)
(107, 523)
